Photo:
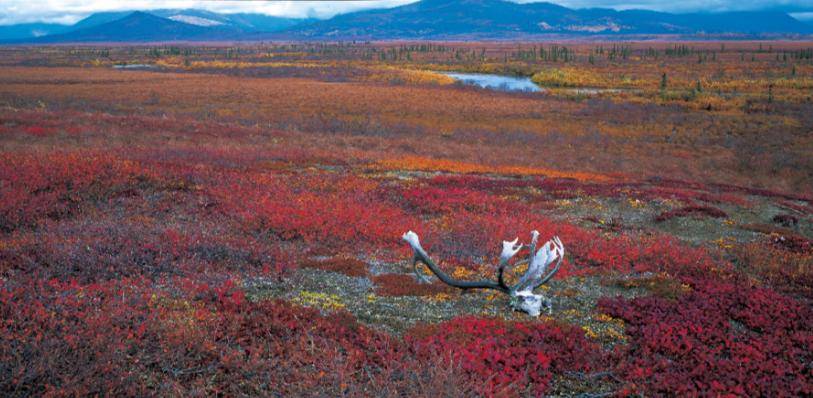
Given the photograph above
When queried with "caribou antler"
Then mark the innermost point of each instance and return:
(521, 294)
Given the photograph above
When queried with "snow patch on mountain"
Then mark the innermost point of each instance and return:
(198, 21)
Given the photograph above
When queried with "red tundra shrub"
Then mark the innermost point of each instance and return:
(94, 249)
(512, 357)
(322, 209)
(35, 187)
(64, 339)
(722, 338)
(127, 337)
(37, 131)
(431, 200)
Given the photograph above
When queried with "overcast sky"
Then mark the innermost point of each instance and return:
(70, 11)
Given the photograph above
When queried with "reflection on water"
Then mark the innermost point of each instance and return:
(495, 82)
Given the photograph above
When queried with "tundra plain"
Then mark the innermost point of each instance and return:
(198, 220)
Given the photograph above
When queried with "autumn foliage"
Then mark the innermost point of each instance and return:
(155, 226)
(722, 337)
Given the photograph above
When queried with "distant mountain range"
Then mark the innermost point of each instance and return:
(503, 19)
(153, 25)
(427, 19)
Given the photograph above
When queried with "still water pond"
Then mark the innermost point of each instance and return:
(495, 82)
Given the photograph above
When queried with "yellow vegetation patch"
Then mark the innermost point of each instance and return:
(568, 77)
(725, 242)
(440, 297)
(612, 328)
(463, 273)
(410, 76)
(330, 302)
(589, 332)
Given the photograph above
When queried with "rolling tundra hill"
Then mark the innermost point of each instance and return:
(153, 25)
(504, 19)
(426, 19)
(141, 26)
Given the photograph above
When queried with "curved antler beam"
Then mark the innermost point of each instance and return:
(421, 256)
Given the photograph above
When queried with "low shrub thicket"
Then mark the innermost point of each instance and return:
(721, 338)
(513, 357)
(129, 337)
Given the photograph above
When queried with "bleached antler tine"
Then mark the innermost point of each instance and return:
(509, 250)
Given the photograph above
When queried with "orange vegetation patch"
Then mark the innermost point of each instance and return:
(427, 164)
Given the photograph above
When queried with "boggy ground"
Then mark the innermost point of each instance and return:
(166, 233)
